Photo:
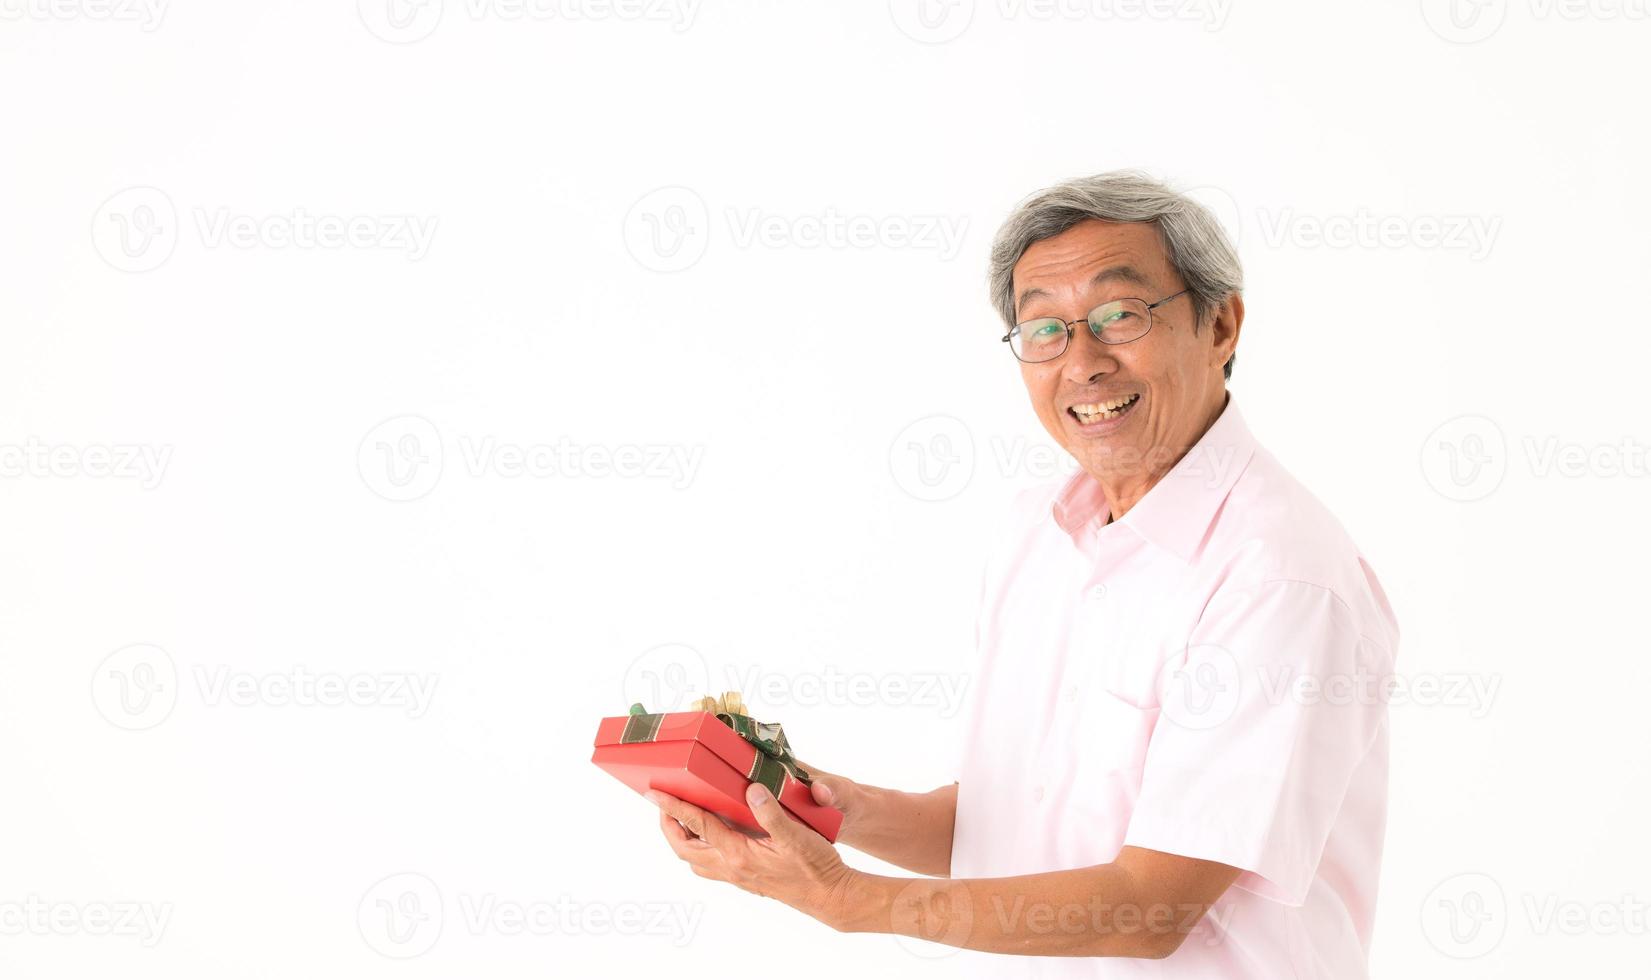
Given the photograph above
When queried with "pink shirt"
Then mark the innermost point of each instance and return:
(1200, 677)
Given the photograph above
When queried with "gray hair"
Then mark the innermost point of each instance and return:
(1194, 240)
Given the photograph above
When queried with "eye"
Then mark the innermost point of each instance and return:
(1047, 330)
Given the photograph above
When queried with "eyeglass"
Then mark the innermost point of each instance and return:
(1118, 322)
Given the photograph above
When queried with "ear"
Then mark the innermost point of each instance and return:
(1229, 319)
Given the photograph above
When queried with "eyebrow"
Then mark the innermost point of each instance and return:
(1112, 273)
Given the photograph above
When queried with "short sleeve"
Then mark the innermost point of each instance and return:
(1265, 719)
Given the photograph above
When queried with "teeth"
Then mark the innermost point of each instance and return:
(1106, 409)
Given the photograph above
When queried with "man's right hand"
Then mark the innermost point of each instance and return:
(836, 791)
(909, 830)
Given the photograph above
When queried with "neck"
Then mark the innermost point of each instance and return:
(1125, 486)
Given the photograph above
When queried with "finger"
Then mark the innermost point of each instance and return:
(677, 835)
(698, 855)
(697, 821)
(827, 788)
(823, 793)
(781, 826)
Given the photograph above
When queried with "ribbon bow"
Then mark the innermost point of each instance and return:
(773, 762)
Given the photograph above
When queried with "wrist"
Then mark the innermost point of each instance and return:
(860, 903)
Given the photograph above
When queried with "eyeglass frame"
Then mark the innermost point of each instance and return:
(1070, 332)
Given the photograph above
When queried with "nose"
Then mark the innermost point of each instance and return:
(1087, 359)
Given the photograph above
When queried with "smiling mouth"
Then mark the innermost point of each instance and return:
(1106, 411)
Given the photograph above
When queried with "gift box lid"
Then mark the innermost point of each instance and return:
(685, 726)
(703, 730)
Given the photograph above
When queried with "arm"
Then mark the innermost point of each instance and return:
(908, 830)
(1143, 904)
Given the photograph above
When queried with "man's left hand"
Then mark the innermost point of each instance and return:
(793, 864)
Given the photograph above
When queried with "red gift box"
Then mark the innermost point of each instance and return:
(697, 758)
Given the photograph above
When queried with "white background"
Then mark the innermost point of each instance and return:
(780, 390)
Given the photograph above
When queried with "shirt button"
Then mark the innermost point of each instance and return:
(1097, 593)
(1071, 692)
(1037, 794)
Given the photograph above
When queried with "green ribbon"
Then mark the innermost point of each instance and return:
(771, 766)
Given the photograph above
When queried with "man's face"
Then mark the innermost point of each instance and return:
(1171, 378)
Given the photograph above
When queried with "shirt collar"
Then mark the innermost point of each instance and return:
(1177, 511)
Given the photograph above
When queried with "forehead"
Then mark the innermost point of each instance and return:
(1065, 265)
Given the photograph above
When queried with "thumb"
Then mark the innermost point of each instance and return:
(781, 826)
(829, 791)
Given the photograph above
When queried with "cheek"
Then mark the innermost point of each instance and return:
(1040, 384)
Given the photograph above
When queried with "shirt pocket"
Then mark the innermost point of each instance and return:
(1110, 732)
(1099, 774)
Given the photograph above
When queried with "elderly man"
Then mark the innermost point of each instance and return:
(1177, 752)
